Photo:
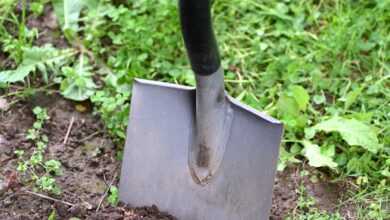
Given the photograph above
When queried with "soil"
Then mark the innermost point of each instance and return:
(88, 159)
(90, 165)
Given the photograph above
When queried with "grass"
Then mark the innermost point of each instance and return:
(321, 67)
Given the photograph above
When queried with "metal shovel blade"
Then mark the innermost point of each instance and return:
(155, 169)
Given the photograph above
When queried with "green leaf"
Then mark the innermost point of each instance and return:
(352, 131)
(22, 167)
(68, 13)
(287, 106)
(352, 96)
(37, 8)
(360, 165)
(53, 166)
(10, 76)
(341, 159)
(319, 99)
(78, 84)
(48, 183)
(4, 75)
(289, 111)
(329, 150)
(53, 215)
(36, 58)
(385, 172)
(37, 110)
(19, 153)
(316, 156)
(309, 133)
(113, 198)
(301, 96)
(286, 157)
(36, 158)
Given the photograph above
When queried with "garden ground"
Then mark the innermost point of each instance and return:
(67, 66)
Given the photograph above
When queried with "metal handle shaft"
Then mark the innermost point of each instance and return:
(213, 112)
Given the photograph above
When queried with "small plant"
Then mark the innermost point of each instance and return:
(46, 59)
(53, 215)
(77, 83)
(39, 170)
(113, 197)
(373, 205)
(306, 209)
(114, 111)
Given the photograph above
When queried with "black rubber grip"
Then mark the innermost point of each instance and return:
(197, 29)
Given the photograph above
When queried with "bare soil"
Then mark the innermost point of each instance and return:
(90, 164)
(88, 159)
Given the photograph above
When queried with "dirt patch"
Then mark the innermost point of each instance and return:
(285, 195)
(307, 182)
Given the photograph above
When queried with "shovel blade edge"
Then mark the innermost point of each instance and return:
(155, 163)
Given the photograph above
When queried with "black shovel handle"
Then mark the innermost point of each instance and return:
(199, 39)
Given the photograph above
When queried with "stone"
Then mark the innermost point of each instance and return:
(3, 187)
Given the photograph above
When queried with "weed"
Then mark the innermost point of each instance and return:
(44, 59)
(371, 204)
(53, 215)
(34, 166)
(306, 209)
(113, 108)
(77, 83)
(113, 197)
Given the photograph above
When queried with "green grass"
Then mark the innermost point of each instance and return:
(372, 204)
(321, 67)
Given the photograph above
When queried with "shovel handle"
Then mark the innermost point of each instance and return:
(199, 39)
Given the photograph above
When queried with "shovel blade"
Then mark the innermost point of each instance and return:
(155, 165)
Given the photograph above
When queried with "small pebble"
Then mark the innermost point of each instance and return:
(3, 187)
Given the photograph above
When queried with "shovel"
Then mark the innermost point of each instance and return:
(198, 153)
